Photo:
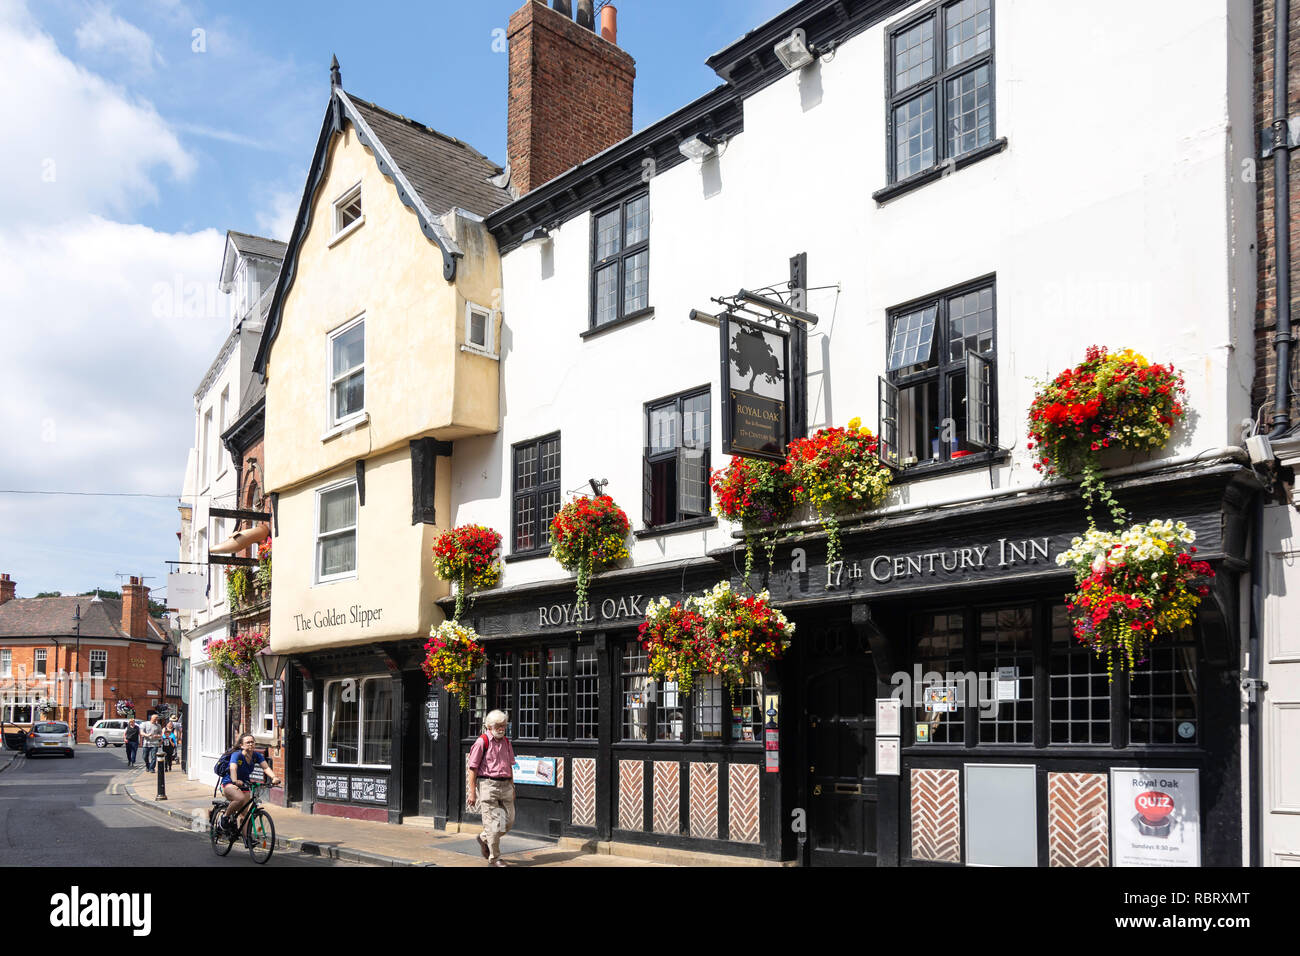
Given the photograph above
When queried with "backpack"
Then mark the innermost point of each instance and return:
(222, 766)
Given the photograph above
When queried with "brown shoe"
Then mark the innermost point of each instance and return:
(482, 845)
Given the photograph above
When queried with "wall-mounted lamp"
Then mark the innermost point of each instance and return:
(699, 147)
(795, 52)
(774, 305)
(536, 235)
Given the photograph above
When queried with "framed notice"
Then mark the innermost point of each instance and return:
(1155, 817)
(887, 756)
(538, 771)
(889, 717)
(756, 389)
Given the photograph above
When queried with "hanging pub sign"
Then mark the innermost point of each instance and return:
(756, 389)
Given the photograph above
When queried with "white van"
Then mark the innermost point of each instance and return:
(107, 732)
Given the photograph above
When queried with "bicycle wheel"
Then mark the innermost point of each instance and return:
(260, 834)
(221, 841)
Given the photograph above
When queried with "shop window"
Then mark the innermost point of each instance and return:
(536, 470)
(336, 532)
(1079, 688)
(557, 693)
(936, 400)
(636, 710)
(586, 695)
(939, 651)
(670, 712)
(1006, 655)
(347, 350)
(530, 670)
(675, 469)
(98, 663)
(17, 713)
(94, 713)
(473, 721)
(620, 269)
(39, 662)
(1163, 696)
(941, 86)
(503, 700)
(707, 697)
(359, 721)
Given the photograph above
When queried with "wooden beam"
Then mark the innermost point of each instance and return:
(240, 513)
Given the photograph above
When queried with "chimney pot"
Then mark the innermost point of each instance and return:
(563, 6)
(609, 23)
(587, 14)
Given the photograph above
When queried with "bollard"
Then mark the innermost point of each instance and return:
(162, 779)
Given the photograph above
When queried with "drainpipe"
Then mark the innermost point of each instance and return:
(1252, 684)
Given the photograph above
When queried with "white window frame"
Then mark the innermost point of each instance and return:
(100, 656)
(339, 231)
(265, 710)
(224, 418)
(94, 713)
(6, 662)
(333, 380)
(489, 345)
(204, 453)
(317, 577)
(40, 662)
(361, 682)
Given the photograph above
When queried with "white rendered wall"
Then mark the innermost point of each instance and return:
(1116, 216)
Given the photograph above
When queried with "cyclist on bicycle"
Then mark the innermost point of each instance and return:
(235, 781)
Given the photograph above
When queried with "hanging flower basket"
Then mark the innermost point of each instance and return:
(1118, 400)
(587, 536)
(236, 661)
(837, 471)
(1132, 587)
(453, 656)
(469, 556)
(237, 586)
(721, 634)
(756, 495)
(672, 636)
(125, 708)
(46, 707)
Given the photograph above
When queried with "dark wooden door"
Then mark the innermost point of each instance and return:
(841, 773)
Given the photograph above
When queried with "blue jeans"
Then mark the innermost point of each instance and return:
(131, 747)
(150, 755)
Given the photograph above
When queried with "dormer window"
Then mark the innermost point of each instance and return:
(347, 211)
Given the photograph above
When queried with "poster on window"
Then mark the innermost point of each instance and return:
(1155, 817)
(538, 771)
(755, 396)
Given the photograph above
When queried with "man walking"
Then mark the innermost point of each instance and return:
(490, 787)
(132, 741)
(151, 735)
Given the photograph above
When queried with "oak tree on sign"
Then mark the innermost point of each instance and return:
(752, 355)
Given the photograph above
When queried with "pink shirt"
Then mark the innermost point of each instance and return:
(496, 762)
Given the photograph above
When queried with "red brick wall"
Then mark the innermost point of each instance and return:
(570, 95)
(134, 670)
(1266, 310)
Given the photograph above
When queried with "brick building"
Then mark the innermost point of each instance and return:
(119, 651)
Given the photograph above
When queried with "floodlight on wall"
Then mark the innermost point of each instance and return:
(776, 306)
(699, 147)
(794, 51)
(538, 234)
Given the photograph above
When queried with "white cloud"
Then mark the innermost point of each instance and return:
(73, 142)
(275, 218)
(107, 33)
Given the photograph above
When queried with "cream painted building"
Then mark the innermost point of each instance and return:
(381, 349)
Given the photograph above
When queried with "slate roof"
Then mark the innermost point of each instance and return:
(52, 617)
(257, 246)
(444, 171)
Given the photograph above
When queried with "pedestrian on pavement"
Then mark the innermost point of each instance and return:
(151, 737)
(490, 786)
(169, 744)
(132, 741)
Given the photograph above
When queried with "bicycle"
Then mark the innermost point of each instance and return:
(257, 830)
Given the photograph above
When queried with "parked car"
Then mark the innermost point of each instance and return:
(107, 732)
(47, 736)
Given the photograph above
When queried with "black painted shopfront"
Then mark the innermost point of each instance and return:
(967, 601)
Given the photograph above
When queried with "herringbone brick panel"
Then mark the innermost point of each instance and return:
(559, 771)
(742, 802)
(584, 792)
(631, 795)
(667, 811)
(936, 816)
(704, 801)
(1077, 812)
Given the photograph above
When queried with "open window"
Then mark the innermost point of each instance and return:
(937, 398)
(675, 469)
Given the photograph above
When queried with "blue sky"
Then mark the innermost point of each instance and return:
(136, 134)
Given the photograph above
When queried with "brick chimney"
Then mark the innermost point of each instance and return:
(6, 588)
(570, 94)
(135, 608)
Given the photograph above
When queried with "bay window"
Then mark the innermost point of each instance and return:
(359, 721)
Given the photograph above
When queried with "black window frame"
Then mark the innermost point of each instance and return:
(937, 85)
(649, 461)
(943, 371)
(541, 531)
(502, 683)
(686, 705)
(624, 253)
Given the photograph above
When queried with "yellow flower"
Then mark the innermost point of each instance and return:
(855, 424)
